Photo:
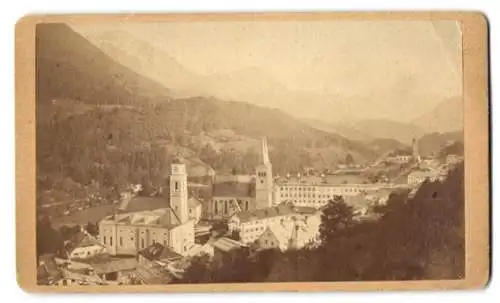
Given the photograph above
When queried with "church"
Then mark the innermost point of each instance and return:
(144, 221)
(232, 194)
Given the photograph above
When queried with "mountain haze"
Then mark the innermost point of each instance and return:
(69, 66)
(114, 126)
(447, 116)
(370, 129)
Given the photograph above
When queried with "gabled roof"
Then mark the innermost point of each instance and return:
(159, 252)
(288, 231)
(268, 212)
(82, 239)
(163, 217)
(109, 265)
(142, 203)
(282, 231)
(233, 189)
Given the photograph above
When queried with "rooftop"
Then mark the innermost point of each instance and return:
(226, 244)
(164, 217)
(233, 189)
(159, 252)
(282, 231)
(327, 180)
(274, 211)
(287, 230)
(425, 173)
(82, 239)
(110, 265)
(136, 204)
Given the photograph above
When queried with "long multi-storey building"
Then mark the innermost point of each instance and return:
(313, 191)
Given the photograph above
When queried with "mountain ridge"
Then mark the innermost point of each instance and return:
(447, 116)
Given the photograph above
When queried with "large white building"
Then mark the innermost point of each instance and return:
(261, 225)
(419, 176)
(314, 191)
(172, 225)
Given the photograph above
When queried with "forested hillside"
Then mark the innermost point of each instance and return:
(119, 145)
(434, 142)
(100, 123)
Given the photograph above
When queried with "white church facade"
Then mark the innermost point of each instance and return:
(128, 232)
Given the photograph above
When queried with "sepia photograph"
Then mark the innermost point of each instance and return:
(249, 151)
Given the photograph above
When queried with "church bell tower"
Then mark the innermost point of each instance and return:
(264, 179)
(178, 189)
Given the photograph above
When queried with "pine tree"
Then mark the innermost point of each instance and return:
(336, 216)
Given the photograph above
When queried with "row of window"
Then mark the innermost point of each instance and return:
(261, 228)
(271, 243)
(331, 189)
(224, 208)
(131, 239)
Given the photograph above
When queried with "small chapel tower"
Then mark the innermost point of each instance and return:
(416, 155)
(178, 189)
(264, 179)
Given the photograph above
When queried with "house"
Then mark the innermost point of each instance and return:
(225, 245)
(157, 252)
(453, 159)
(289, 234)
(251, 225)
(84, 246)
(276, 235)
(419, 176)
(202, 249)
(113, 269)
(379, 196)
(152, 264)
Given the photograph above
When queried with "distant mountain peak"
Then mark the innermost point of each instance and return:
(447, 116)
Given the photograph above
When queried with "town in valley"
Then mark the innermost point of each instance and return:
(151, 239)
(150, 174)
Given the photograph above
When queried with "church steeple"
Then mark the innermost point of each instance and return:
(415, 153)
(264, 152)
(264, 178)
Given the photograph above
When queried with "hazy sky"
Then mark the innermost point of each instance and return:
(343, 57)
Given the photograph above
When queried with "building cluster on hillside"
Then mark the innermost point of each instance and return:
(151, 239)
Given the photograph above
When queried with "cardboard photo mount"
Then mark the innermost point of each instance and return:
(474, 29)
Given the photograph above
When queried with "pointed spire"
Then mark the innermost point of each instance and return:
(264, 153)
